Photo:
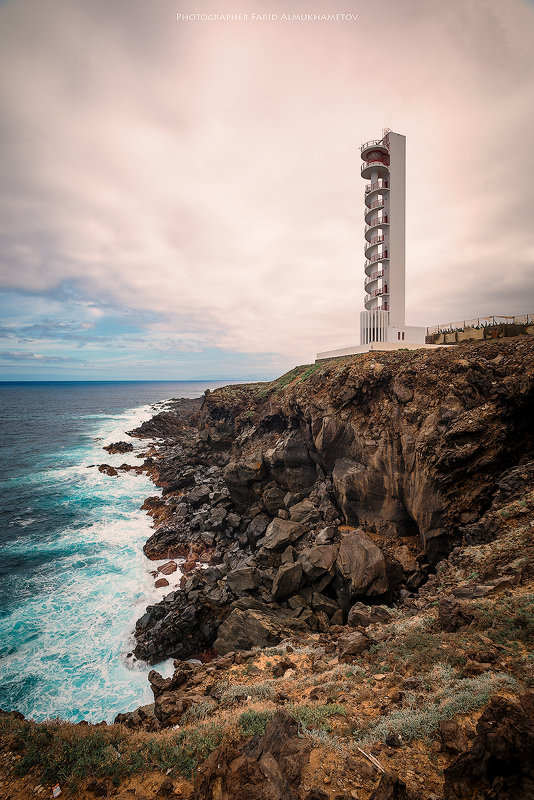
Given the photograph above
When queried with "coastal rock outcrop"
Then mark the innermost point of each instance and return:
(266, 768)
(500, 763)
(341, 483)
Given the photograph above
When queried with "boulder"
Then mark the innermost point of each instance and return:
(119, 447)
(273, 498)
(318, 560)
(452, 615)
(246, 628)
(282, 532)
(500, 764)
(216, 518)
(325, 604)
(243, 579)
(361, 615)
(306, 513)
(242, 477)
(266, 768)
(452, 737)
(106, 469)
(391, 787)
(352, 644)
(257, 527)
(198, 496)
(168, 568)
(287, 580)
(362, 564)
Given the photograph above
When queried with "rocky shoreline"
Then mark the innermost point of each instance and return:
(355, 619)
(342, 484)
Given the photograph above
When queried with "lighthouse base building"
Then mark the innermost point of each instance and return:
(382, 323)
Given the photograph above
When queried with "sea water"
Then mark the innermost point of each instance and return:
(73, 577)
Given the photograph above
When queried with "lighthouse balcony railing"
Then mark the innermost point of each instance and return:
(377, 293)
(375, 240)
(373, 143)
(380, 184)
(378, 162)
(384, 220)
(373, 277)
(376, 204)
(379, 257)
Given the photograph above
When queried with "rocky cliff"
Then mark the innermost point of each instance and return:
(357, 546)
(339, 482)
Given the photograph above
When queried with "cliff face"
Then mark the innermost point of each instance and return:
(337, 482)
(402, 444)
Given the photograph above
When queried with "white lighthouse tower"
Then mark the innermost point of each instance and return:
(382, 324)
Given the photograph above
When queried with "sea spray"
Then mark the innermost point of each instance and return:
(74, 577)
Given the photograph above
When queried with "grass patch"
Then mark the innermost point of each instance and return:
(256, 691)
(454, 697)
(317, 716)
(253, 723)
(508, 619)
(61, 752)
(308, 372)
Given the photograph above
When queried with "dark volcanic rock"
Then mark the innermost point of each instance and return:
(316, 561)
(362, 615)
(287, 581)
(362, 564)
(391, 787)
(119, 447)
(280, 533)
(452, 615)
(243, 579)
(108, 470)
(500, 764)
(352, 644)
(266, 768)
(261, 626)
(347, 460)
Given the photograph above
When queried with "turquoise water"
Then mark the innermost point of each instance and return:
(73, 577)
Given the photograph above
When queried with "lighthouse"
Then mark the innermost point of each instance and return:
(382, 322)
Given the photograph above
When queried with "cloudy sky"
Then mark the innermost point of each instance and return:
(182, 199)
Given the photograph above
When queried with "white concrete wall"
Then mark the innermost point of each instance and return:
(373, 326)
(397, 224)
(411, 334)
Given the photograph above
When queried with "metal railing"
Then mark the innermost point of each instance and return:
(481, 322)
(380, 184)
(377, 221)
(375, 204)
(373, 277)
(383, 162)
(379, 257)
(376, 293)
(375, 240)
(373, 143)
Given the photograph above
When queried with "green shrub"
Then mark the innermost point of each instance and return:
(506, 619)
(253, 723)
(316, 715)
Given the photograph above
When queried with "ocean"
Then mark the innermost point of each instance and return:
(73, 577)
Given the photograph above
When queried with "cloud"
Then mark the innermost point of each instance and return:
(25, 357)
(193, 186)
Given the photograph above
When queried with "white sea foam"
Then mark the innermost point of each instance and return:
(74, 636)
